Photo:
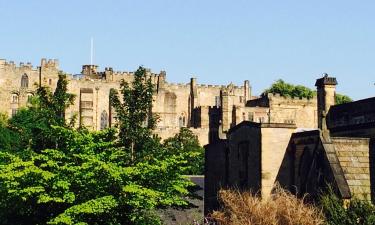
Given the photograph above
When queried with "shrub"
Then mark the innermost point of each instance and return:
(282, 208)
(355, 212)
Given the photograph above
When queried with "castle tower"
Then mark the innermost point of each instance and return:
(89, 70)
(227, 107)
(326, 90)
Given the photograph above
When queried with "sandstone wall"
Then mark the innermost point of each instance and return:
(353, 155)
(14, 94)
(274, 144)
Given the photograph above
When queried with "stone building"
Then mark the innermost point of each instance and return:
(208, 110)
(254, 156)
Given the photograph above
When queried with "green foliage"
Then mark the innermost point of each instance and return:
(135, 120)
(9, 140)
(341, 99)
(85, 180)
(33, 124)
(186, 145)
(290, 90)
(356, 212)
(299, 91)
(60, 175)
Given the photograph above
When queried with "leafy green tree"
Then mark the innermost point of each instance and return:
(341, 99)
(186, 145)
(289, 90)
(135, 120)
(85, 181)
(68, 176)
(47, 109)
(9, 140)
(299, 91)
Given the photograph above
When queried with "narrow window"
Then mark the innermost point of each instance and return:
(14, 112)
(14, 98)
(25, 81)
(217, 101)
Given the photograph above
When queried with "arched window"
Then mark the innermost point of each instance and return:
(182, 120)
(103, 120)
(25, 81)
(29, 97)
(14, 98)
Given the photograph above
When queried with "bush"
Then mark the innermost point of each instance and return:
(282, 208)
(355, 212)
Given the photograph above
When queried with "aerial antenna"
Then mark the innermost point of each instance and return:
(92, 51)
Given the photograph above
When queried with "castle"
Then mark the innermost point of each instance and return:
(208, 110)
(339, 152)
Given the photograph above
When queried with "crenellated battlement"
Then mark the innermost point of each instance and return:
(11, 65)
(176, 85)
(49, 63)
(278, 97)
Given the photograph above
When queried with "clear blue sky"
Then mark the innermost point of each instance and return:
(216, 41)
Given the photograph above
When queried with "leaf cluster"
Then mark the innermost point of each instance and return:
(85, 180)
(338, 213)
(299, 91)
(60, 175)
(186, 146)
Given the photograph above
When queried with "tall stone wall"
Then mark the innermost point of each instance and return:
(19, 82)
(275, 139)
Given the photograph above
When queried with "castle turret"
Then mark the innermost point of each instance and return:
(89, 70)
(227, 107)
(326, 90)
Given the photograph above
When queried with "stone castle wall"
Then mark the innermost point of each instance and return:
(174, 104)
(18, 82)
(205, 107)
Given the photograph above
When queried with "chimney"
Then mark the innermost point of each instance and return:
(326, 90)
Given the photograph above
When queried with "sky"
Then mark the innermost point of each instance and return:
(216, 41)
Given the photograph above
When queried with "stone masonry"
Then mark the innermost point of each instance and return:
(208, 110)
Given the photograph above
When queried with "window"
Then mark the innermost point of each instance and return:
(14, 112)
(25, 81)
(50, 81)
(14, 98)
(217, 101)
(103, 120)
(29, 97)
(182, 120)
(251, 116)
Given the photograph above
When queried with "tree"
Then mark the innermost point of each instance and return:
(9, 140)
(135, 120)
(85, 181)
(341, 99)
(47, 109)
(289, 90)
(186, 145)
(299, 91)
